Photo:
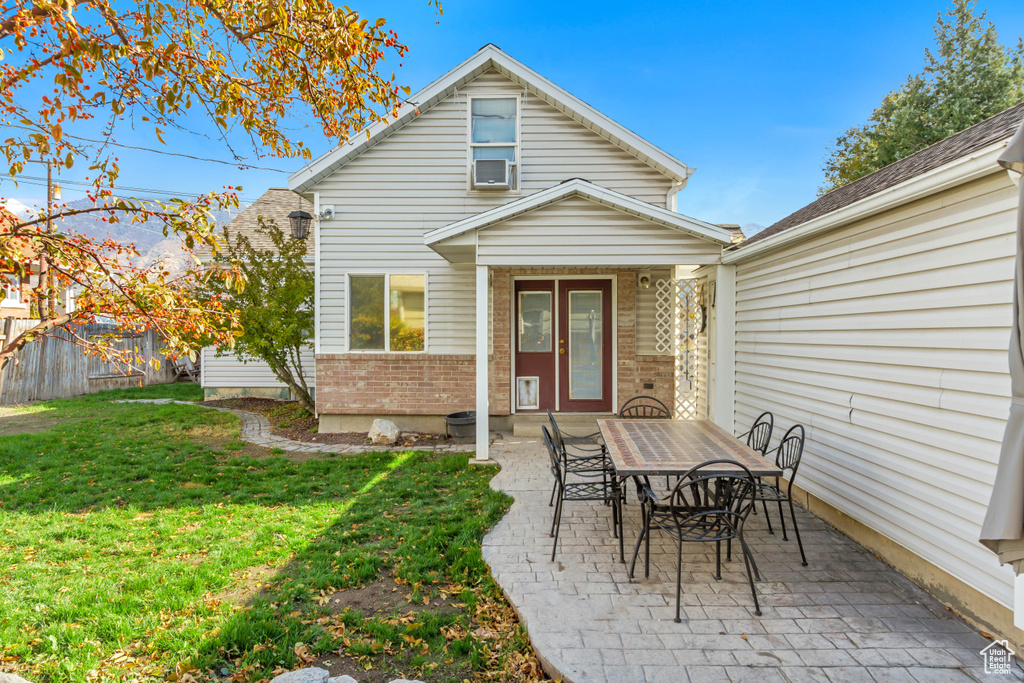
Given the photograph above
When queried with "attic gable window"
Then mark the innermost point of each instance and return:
(494, 132)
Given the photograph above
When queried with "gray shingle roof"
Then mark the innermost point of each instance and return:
(274, 204)
(999, 127)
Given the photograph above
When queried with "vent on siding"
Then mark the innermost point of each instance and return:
(492, 174)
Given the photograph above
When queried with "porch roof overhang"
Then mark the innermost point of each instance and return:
(459, 242)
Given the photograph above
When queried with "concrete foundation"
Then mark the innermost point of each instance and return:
(426, 424)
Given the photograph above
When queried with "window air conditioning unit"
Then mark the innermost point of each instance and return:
(492, 174)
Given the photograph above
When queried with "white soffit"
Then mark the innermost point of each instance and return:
(487, 58)
(578, 187)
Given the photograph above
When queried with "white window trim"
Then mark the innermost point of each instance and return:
(518, 165)
(13, 303)
(387, 316)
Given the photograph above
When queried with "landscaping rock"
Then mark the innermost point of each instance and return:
(345, 678)
(312, 675)
(384, 433)
(11, 678)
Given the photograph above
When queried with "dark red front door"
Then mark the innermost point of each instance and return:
(563, 345)
(534, 320)
(585, 346)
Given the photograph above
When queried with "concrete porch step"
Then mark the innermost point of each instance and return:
(529, 424)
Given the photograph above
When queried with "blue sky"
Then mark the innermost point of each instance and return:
(751, 94)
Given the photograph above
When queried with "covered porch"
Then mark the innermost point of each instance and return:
(578, 303)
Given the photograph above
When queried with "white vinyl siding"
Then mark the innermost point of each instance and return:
(227, 372)
(415, 181)
(888, 340)
(580, 232)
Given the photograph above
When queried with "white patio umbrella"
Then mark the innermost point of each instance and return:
(1003, 530)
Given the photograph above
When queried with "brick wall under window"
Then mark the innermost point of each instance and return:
(436, 384)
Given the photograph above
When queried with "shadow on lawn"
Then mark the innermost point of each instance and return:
(151, 489)
(412, 532)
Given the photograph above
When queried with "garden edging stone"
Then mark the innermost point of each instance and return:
(256, 429)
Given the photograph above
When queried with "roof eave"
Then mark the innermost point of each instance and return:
(956, 172)
(586, 190)
(483, 60)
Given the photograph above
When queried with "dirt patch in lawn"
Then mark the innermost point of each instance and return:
(384, 669)
(248, 584)
(385, 597)
(14, 421)
(288, 419)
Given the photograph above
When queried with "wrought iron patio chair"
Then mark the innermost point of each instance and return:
(576, 484)
(787, 458)
(705, 506)
(759, 436)
(644, 407)
(587, 452)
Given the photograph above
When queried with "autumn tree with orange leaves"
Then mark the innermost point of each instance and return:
(242, 66)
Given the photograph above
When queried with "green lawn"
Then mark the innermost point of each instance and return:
(141, 542)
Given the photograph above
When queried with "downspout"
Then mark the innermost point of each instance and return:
(670, 196)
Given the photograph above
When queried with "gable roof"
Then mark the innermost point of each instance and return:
(578, 187)
(487, 58)
(275, 204)
(992, 130)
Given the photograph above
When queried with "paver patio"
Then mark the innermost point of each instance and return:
(845, 617)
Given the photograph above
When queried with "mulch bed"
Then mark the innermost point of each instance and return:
(289, 420)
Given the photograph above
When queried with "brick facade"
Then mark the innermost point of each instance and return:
(394, 384)
(434, 384)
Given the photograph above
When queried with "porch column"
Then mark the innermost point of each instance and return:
(482, 408)
(723, 404)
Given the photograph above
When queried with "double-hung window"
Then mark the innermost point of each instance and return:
(11, 294)
(387, 313)
(494, 131)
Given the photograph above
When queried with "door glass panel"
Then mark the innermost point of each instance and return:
(535, 322)
(585, 337)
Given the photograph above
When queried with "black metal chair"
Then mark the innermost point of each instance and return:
(705, 506)
(759, 436)
(645, 407)
(787, 457)
(574, 483)
(588, 451)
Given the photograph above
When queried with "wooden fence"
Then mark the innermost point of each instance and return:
(55, 368)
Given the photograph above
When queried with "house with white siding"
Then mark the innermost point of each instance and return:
(496, 248)
(503, 247)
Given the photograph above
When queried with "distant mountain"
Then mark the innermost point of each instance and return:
(148, 237)
(17, 208)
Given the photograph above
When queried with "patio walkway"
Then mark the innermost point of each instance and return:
(846, 617)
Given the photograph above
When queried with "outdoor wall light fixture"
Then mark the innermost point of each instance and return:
(300, 221)
(643, 280)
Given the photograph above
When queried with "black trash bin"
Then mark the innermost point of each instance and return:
(461, 425)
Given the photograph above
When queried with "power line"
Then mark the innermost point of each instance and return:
(237, 164)
(41, 182)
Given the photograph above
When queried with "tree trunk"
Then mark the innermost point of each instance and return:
(284, 373)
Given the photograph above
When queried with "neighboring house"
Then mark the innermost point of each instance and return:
(879, 317)
(223, 375)
(15, 290)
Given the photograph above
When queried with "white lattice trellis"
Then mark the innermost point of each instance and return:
(677, 324)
